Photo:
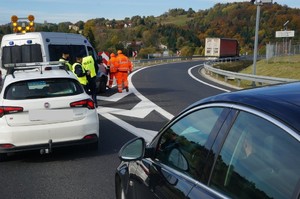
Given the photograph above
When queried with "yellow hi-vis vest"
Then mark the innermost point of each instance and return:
(66, 63)
(89, 64)
(83, 80)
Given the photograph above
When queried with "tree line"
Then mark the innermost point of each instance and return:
(183, 30)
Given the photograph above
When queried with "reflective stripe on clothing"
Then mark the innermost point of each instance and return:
(122, 80)
(89, 64)
(124, 63)
(112, 76)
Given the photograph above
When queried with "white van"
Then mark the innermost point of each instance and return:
(42, 47)
(35, 47)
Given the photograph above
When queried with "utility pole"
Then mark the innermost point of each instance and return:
(256, 37)
(285, 39)
(258, 4)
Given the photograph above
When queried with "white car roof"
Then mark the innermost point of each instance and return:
(36, 74)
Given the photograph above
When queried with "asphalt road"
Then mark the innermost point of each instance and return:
(170, 86)
(159, 93)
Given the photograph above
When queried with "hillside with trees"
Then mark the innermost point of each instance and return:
(184, 30)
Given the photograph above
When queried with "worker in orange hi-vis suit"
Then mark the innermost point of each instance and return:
(124, 68)
(112, 64)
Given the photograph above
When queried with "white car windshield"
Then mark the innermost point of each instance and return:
(42, 88)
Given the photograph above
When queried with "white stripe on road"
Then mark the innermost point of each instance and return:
(148, 135)
(190, 73)
(140, 110)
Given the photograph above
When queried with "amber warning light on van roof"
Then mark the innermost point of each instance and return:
(22, 26)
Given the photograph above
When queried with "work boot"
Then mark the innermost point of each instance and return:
(127, 89)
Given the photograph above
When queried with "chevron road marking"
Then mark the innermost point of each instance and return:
(140, 110)
(148, 135)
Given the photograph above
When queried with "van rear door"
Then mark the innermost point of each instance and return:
(21, 54)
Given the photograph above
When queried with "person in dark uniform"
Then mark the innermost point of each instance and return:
(65, 56)
(80, 72)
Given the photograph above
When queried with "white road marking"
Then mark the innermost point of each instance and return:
(140, 110)
(148, 135)
(190, 73)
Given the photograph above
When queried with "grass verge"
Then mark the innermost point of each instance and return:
(281, 67)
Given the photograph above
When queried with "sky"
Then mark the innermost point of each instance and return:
(56, 11)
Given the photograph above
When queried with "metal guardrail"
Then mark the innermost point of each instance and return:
(146, 62)
(177, 59)
(240, 76)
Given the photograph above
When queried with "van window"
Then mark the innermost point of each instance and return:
(55, 51)
(22, 54)
(92, 52)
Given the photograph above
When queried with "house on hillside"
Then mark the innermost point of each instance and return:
(127, 25)
(163, 47)
(74, 27)
(134, 44)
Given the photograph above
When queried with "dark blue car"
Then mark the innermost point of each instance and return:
(243, 144)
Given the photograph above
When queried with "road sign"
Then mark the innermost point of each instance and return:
(105, 57)
(266, 1)
(134, 53)
(285, 33)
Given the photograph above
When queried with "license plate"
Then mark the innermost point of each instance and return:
(51, 115)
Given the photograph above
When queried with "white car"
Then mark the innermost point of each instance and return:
(44, 109)
(0, 79)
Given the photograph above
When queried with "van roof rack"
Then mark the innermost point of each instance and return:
(12, 67)
(34, 64)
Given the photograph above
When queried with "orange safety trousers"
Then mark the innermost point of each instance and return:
(113, 68)
(122, 80)
(111, 78)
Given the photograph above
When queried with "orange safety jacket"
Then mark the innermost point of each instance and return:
(125, 64)
(113, 64)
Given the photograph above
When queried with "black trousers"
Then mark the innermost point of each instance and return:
(92, 87)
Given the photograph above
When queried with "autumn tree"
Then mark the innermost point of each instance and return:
(63, 27)
(187, 51)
